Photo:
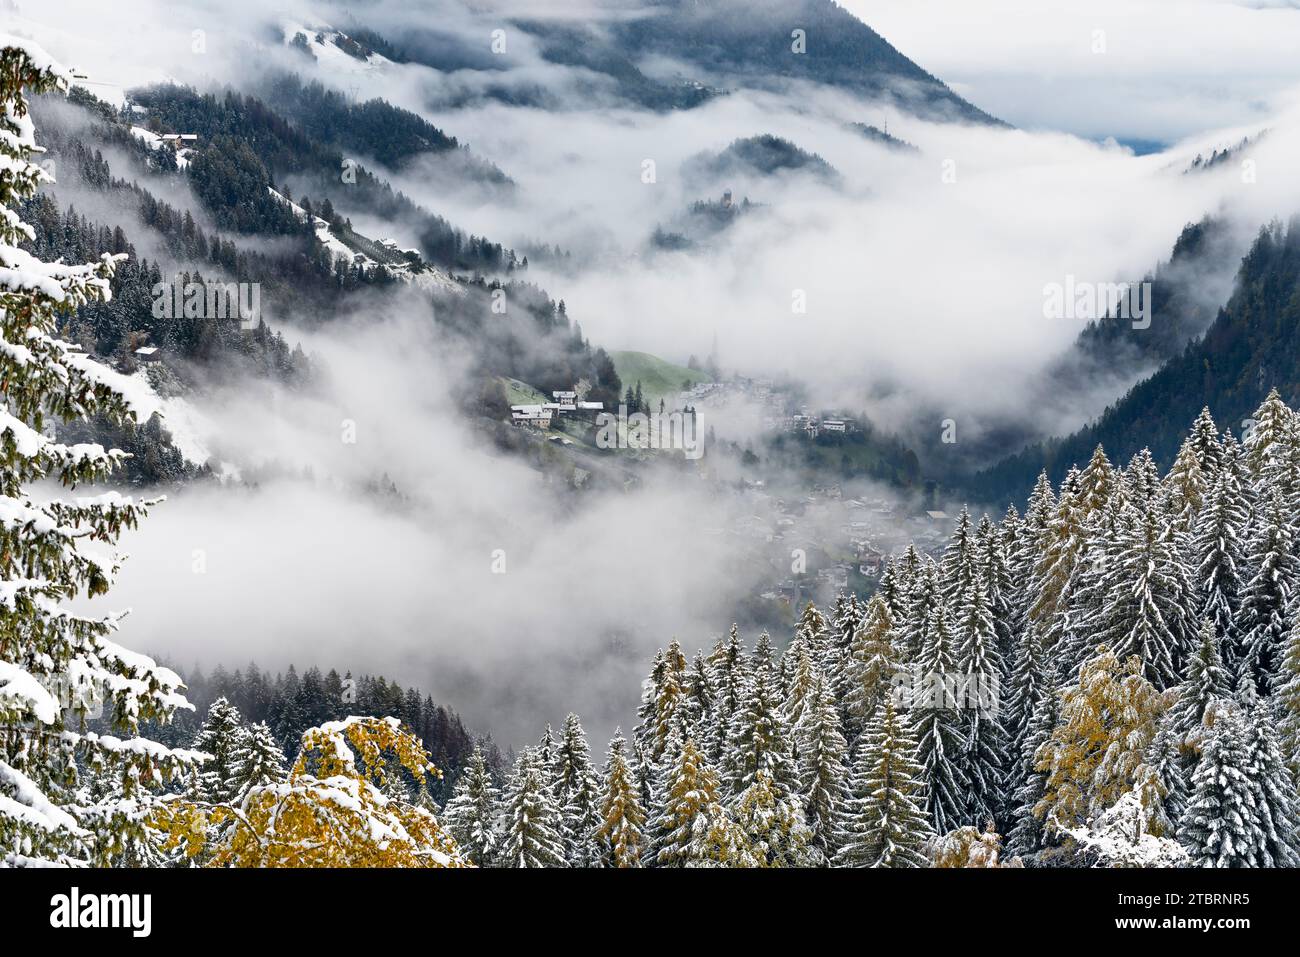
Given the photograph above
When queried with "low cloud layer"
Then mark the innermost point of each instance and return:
(309, 567)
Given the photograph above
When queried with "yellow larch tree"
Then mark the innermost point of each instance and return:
(1095, 754)
(970, 847)
(336, 808)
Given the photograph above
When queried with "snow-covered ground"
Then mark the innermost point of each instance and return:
(323, 234)
(321, 42)
(427, 277)
(192, 433)
(188, 426)
(156, 142)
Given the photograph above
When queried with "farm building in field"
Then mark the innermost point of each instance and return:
(536, 416)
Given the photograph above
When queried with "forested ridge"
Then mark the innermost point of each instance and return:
(1252, 346)
(306, 279)
(254, 145)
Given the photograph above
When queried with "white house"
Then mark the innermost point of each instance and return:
(537, 416)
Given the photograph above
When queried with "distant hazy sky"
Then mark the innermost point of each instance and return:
(1171, 68)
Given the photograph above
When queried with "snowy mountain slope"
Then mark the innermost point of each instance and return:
(156, 141)
(192, 434)
(333, 49)
(369, 254)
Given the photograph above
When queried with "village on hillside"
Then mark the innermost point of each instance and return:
(805, 542)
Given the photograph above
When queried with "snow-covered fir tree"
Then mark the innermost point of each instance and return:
(1142, 485)
(1266, 440)
(219, 737)
(984, 758)
(533, 827)
(924, 598)
(643, 770)
(759, 736)
(959, 562)
(1055, 560)
(728, 670)
(1036, 528)
(1147, 609)
(1185, 488)
(699, 707)
(939, 726)
(848, 616)
(814, 629)
(258, 761)
(1029, 681)
(664, 708)
(991, 544)
(57, 665)
(643, 734)
(1029, 835)
(883, 822)
(1209, 447)
(578, 794)
(1098, 483)
(896, 583)
(1218, 548)
(1270, 776)
(471, 814)
(822, 755)
(1261, 623)
(1221, 827)
(1171, 762)
(802, 675)
(1204, 680)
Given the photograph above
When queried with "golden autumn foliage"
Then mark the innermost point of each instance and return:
(696, 829)
(970, 847)
(337, 808)
(622, 818)
(1095, 755)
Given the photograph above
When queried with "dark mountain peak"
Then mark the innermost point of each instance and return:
(765, 42)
